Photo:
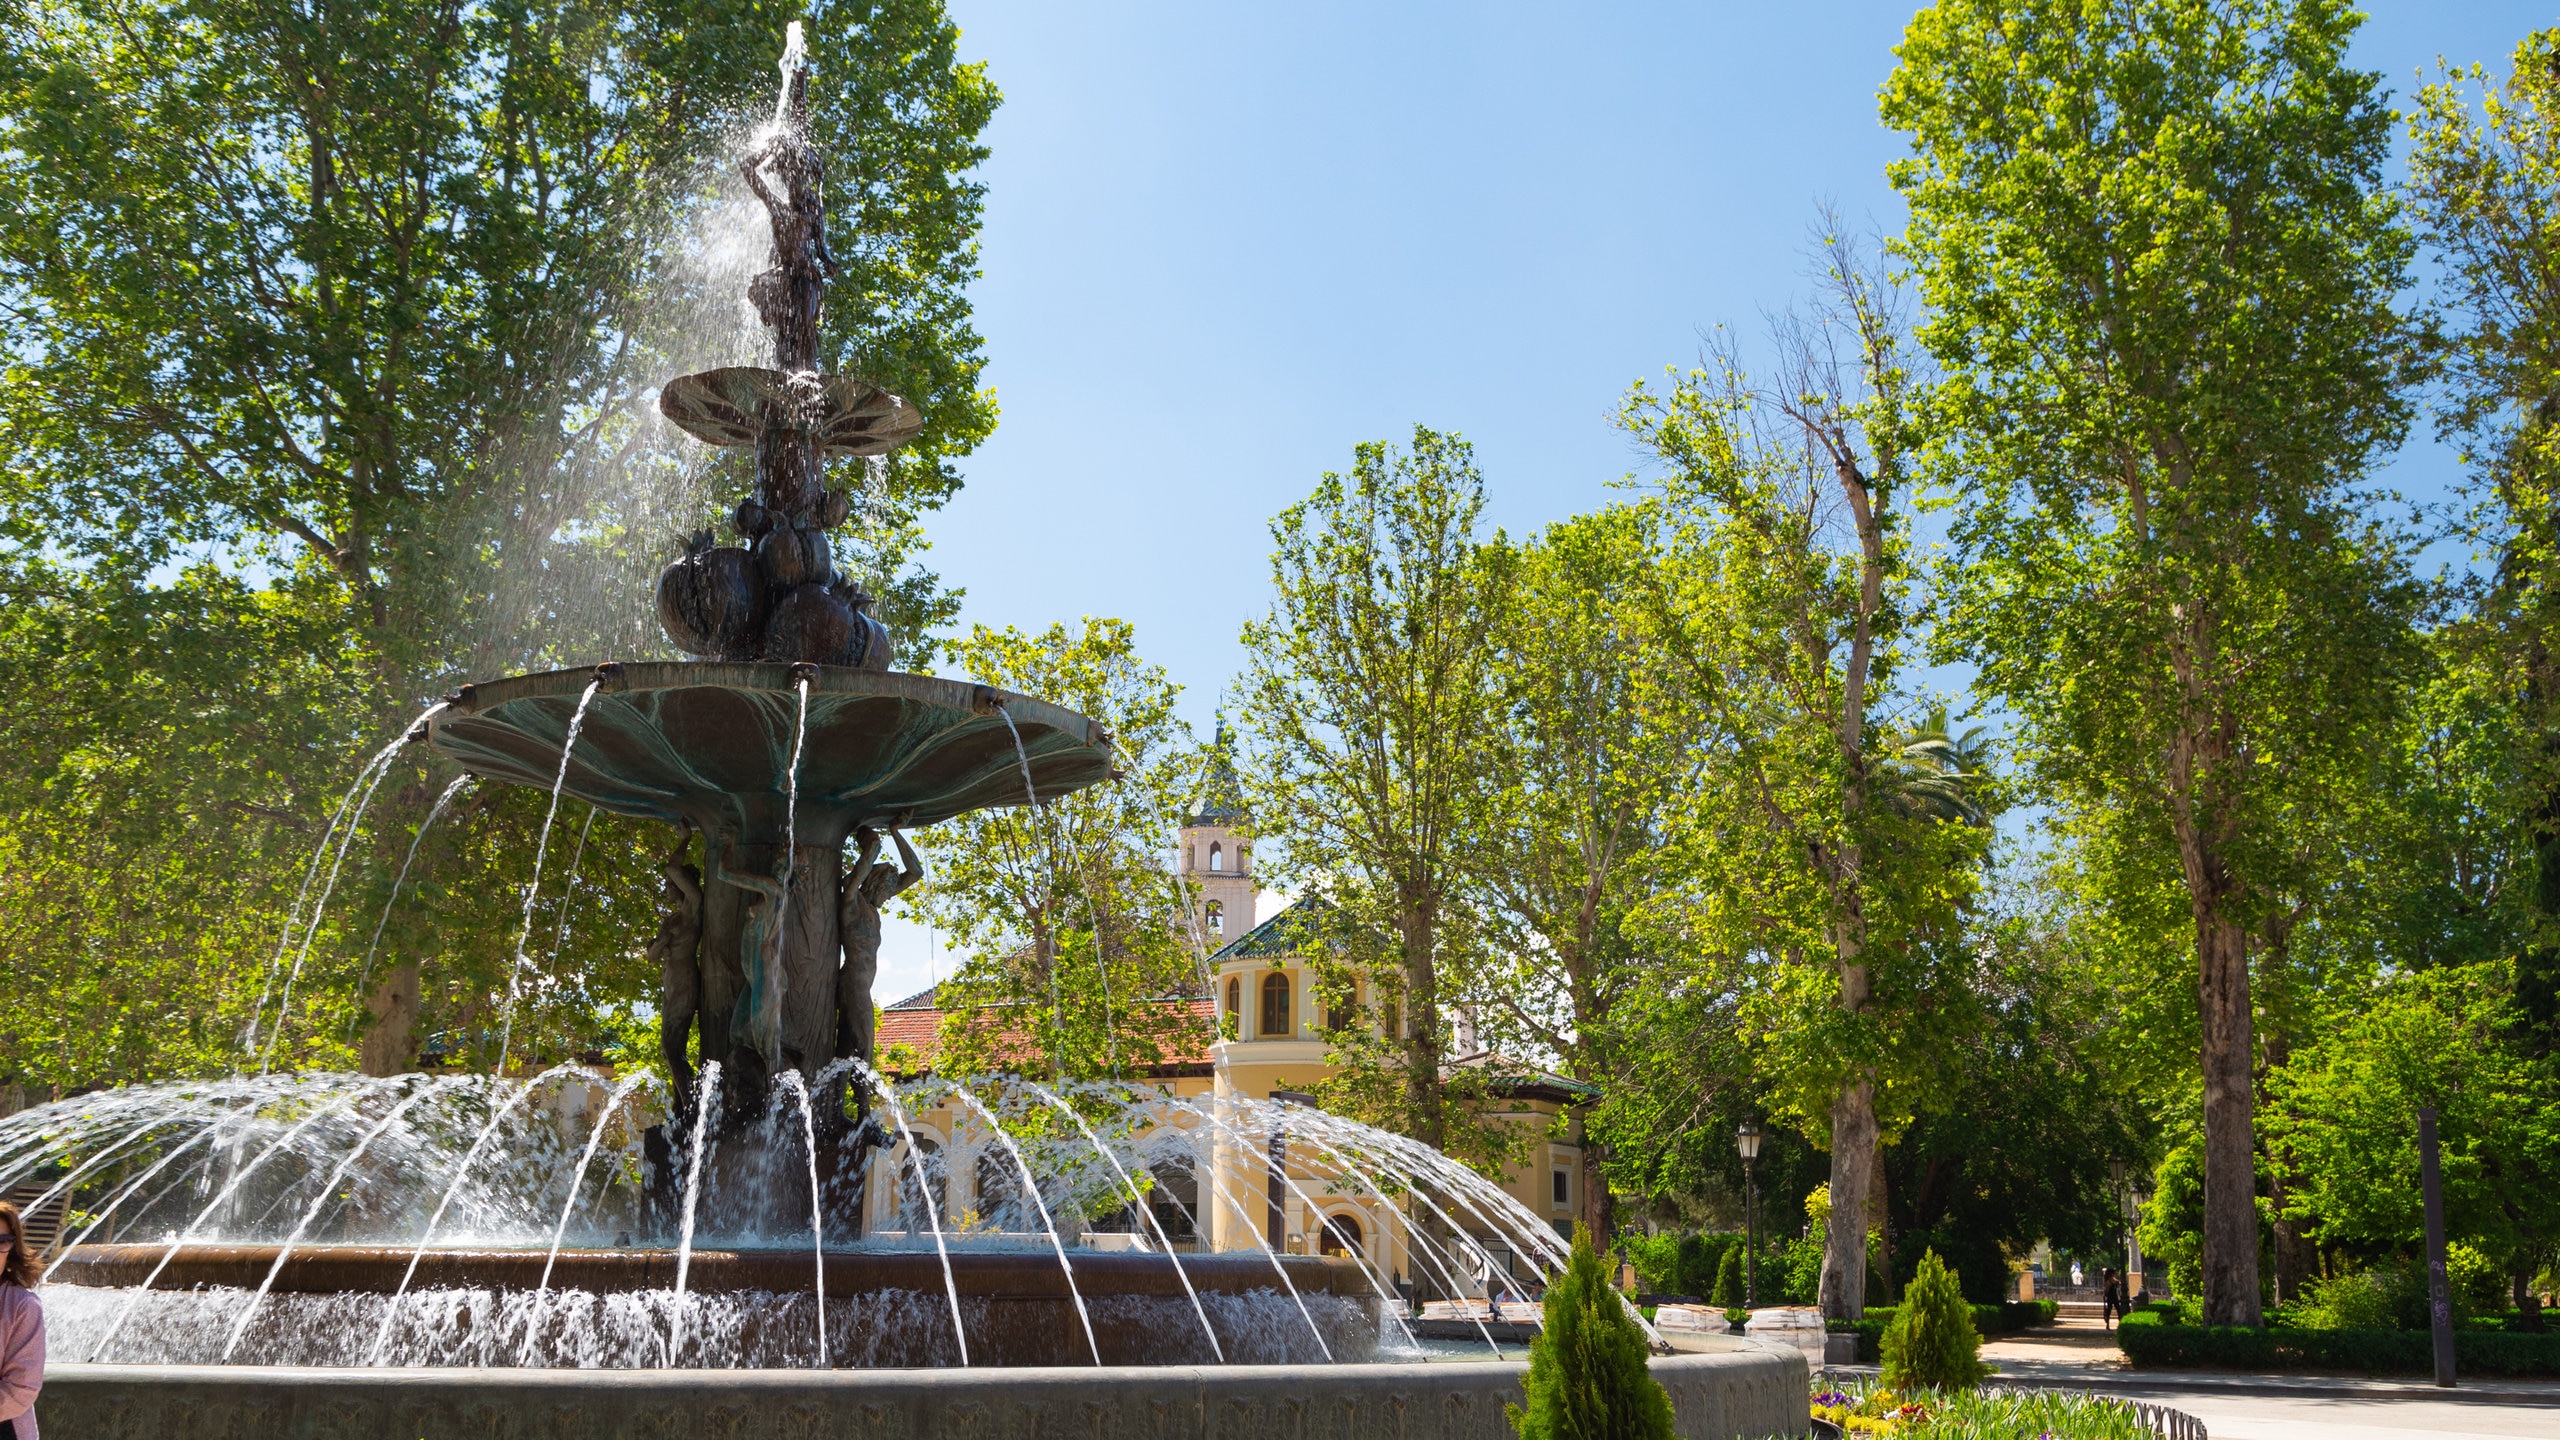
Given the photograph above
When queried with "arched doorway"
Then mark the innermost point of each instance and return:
(1341, 1237)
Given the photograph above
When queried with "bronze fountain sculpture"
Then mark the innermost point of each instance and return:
(757, 953)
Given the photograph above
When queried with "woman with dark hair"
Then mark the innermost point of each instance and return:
(21, 1329)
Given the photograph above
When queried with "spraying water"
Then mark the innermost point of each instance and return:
(578, 1176)
(366, 777)
(1138, 1200)
(434, 813)
(533, 886)
(924, 1188)
(229, 1188)
(795, 54)
(1031, 1187)
(692, 1195)
(327, 1193)
(461, 1174)
(817, 1215)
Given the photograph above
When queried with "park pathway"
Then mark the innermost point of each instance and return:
(2079, 1354)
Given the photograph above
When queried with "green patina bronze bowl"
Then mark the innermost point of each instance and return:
(710, 743)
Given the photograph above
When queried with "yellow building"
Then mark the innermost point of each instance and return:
(1219, 1193)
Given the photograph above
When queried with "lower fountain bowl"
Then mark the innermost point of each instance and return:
(744, 1308)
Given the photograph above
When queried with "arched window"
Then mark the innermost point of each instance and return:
(912, 1214)
(1390, 1020)
(1240, 855)
(1275, 1003)
(1341, 1004)
(1341, 1236)
(1235, 1004)
(1000, 1192)
(1217, 857)
(1217, 913)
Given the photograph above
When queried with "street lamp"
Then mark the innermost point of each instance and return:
(1746, 1141)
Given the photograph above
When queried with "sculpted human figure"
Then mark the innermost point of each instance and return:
(788, 296)
(868, 884)
(678, 951)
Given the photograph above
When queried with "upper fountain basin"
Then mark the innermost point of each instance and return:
(737, 404)
(711, 742)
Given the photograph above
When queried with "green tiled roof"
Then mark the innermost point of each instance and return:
(1301, 926)
(1221, 792)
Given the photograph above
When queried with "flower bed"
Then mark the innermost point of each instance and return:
(1871, 1410)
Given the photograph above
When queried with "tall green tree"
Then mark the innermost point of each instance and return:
(1074, 930)
(1779, 607)
(2159, 265)
(1364, 704)
(1589, 759)
(349, 321)
(2484, 181)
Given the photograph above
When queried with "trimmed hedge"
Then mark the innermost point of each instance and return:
(2002, 1319)
(2149, 1343)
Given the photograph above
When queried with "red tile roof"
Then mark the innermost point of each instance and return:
(916, 1023)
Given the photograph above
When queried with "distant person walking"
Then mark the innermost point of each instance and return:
(21, 1330)
(2114, 1309)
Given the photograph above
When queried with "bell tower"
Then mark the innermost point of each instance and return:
(1217, 856)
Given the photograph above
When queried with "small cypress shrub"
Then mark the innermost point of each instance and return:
(1932, 1343)
(1587, 1369)
(1729, 1277)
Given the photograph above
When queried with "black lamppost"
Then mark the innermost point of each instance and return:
(1747, 1142)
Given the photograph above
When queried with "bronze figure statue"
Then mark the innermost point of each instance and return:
(867, 887)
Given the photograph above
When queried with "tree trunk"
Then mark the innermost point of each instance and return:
(2231, 1295)
(390, 1043)
(1422, 1013)
(1853, 1160)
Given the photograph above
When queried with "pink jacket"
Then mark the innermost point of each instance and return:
(21, 1356)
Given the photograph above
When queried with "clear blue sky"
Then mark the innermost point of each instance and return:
(1225, 242)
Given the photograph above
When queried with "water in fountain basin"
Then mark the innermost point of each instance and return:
(474, 1166)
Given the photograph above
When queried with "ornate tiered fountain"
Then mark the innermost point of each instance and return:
(447, 1259)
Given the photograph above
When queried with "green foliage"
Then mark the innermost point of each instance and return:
(2343, 1118)
(1730, 1279)
(1973, 1414)
(2149, 1342)
(1931, 1342)
(2037, 1107)
(330, 343)
(1586, 757)
(1824, 860)
(1684, 1262)
(1363, 703)
(1024, 892)
(2484, 175)
(2168, 502)
(1587, 1369)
